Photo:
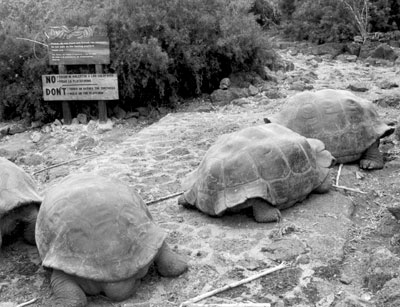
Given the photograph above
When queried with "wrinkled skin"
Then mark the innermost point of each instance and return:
(70, 291)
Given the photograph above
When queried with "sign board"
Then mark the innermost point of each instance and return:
(74, 51)
(80, 87)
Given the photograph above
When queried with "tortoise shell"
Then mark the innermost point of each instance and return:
(347, 124)
(17, 188)
(96, 228)
(269, 161)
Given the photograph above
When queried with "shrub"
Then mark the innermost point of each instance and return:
(318, 21)
(162, 49)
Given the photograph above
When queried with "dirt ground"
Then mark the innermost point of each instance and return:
(326, 241)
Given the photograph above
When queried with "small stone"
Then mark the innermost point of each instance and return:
(82, 118)
(225, 84)
(132, 114)
(57, 123)
(344, 279)
(107, 126)
(36, 136)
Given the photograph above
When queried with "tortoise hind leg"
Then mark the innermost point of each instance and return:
(170, 264)
(372, 158)
(263, 211)
(66, 291)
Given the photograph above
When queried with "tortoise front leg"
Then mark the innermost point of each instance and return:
(66, 291)
(263, 211)
(372, 158)
(169, 263)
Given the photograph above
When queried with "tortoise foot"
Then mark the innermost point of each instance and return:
(372, 158)
(264, 212)
(169, 263)
(66, 292)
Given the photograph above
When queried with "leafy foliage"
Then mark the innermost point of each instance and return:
(160, 49)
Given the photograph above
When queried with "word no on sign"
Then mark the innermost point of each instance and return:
(80, 87)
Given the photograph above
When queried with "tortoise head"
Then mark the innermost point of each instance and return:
(324, 158)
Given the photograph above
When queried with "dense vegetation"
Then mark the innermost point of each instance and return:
(166, 49)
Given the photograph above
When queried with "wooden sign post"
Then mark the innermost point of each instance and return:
(78, 46)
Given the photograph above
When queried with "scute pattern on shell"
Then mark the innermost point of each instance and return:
(346, 123)
(17, 188)
(268, 161)
(96, 228)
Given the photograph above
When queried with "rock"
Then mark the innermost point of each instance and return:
(347, 58)
(17, 128)
(382, 266)
(84, 142)
(132, 121)
(269, 75)
(388, 101)
(75, 121)
(143, 111)
(91, 126)
(241, 101)
(82, 118)
(32, 159)
(163, 111)
(224, 97)
(57, 123)
(386, 84)
(36, 136)
(36, 124)
(119, 112)
(225, 84)
(107, 126)
(253, 90)
(132, 114)
(358, 87)
(389, 295)
(284, 249)
(384, 51)
(300, 86)
(4, 130)
(353, 48)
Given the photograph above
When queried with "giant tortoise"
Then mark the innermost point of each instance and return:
(267, 167)
(98, 236)
(19, 202)
(348, 125)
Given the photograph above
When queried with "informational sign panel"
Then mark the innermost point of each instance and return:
(74, 51)
(80, 87)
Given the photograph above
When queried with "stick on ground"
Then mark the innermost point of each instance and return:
(338, 174)
(233, 285)
(27, 303)
(66, 162)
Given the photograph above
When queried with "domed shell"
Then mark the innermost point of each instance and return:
(268, 161)
(344, 122)
(96, 228)
(17, 188)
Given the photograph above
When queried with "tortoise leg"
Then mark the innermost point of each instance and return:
(119, 291)
(325, 185)
(30, 224)
(66, 291)
(372, 158)
(183, 202)
(169, 263)
(264, 212)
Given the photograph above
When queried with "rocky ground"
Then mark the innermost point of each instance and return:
(341, 249)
